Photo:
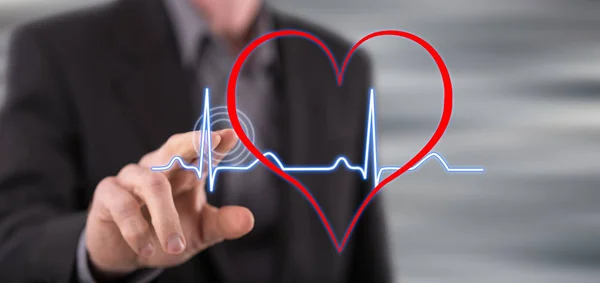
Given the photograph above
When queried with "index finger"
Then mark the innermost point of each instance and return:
(187, 145)
(183, 146)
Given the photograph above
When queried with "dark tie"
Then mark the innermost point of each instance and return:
(253, 256)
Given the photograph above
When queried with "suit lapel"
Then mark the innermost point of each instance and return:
(149, 79)
(151, 82)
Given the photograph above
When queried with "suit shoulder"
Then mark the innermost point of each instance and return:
(68, 26)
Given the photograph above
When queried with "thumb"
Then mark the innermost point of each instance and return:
(225, 223)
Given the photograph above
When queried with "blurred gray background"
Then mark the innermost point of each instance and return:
(526, 77)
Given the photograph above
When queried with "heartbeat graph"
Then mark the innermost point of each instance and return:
(369, 160)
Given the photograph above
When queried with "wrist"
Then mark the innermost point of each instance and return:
(106, 270)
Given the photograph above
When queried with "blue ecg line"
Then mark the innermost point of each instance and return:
(370, 149)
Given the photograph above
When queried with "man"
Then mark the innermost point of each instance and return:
(99, 96)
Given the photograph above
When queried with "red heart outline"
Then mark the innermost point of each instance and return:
(231, 109)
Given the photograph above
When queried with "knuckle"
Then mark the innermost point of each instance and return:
(106, 183)
(126, 208)
(173, 140)
(145, 159)
(134, 231)
(105, 186)
(128, 168)
(157, 183)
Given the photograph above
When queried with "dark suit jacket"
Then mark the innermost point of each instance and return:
(93, 90)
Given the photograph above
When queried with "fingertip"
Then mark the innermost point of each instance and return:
(147, 250)
(228, 140)
(228, 134)
(216, 140)
(175, 244)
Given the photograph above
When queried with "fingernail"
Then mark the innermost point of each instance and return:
(175, 244)
(147, 250)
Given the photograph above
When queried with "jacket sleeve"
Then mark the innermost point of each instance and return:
(85, 274)
(40, 221)
(371, 259)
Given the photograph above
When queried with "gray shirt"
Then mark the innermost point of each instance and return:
(254, 96)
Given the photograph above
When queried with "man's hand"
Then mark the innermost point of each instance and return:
(141, 218)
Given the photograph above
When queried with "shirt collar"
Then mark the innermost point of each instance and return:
(190, 27)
